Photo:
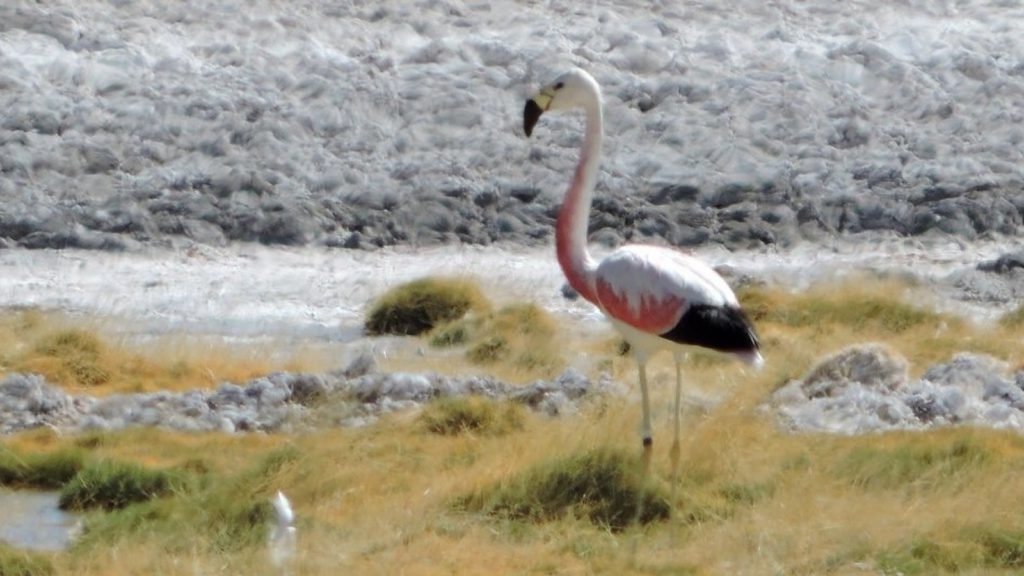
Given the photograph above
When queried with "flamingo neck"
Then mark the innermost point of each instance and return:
(574, 216)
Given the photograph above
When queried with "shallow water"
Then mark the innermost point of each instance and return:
(30, 519)
(247, 293)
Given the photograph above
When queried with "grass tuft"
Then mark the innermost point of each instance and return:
(113, 485)
(919, 465)
(71, 342)
(521, 336)
(421, 305)
(967, 549)
(39, 470)
(490, 350)
(459, 415)
(452, 334)
(72, 356)
(71, 353)
(14, 562)
(218, 515)
(860, 310)
(603, 485)
(1002, 548)
(277, 460)
(746, 494)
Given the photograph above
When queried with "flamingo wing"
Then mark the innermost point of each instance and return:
(666, 293)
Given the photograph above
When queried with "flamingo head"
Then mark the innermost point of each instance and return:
(573, 89)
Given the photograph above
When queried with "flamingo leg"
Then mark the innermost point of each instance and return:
(674, 451)
(648, 441)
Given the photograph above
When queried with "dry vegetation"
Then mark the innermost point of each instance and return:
(421, 305)
(478, 488)
(76, 353)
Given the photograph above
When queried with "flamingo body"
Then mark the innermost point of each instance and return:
(674, 299)
(650, 288)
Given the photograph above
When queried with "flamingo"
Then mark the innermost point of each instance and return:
(657, 298)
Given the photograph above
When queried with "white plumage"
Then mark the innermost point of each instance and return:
(283, 539)
(639, 271)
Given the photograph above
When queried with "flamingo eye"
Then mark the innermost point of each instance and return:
(559, 86)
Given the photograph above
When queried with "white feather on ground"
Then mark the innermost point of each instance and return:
(283, 539)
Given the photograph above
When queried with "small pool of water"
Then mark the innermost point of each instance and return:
(32, 520)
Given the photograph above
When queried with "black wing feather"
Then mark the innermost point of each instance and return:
(722, 328)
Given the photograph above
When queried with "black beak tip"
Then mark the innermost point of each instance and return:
(531, 113)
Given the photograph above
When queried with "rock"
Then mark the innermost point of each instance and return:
(305, 389)
(479, 385)
(968, 372)
(27, 401)
(571, 385)
(607, 237)
(975, 285)
(525, 195)
(485, 198)
(374, 388)
(569, 293)
(675, 193)
(1005, 264)
(555, 404)
(870, 365)
(272, 403)
(227, 395)
(285, 228)
(364, 363)
(202, 232)
(731, 194)
(864, 390)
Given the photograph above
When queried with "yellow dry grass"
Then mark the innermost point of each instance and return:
(81, 355)
(751, 499)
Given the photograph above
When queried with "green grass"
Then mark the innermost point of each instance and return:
(39, 470)
(73, 353)
(78, 355)
(490, 350)
(520, 336)
(14, 562)
(227, 513)
(746, 494)
(70, 342)
(220, 514)
(857, 310)
(454, 333)
(112, 485)
(914, 465)
(1013, 319)
(472, 414)
(711, 498)
(603, 485)
(972, 548)
(1003, 548)
(421, 305)
(215, 521)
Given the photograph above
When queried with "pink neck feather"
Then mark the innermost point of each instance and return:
(573, 218)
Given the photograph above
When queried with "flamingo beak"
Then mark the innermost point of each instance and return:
(534, 108)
